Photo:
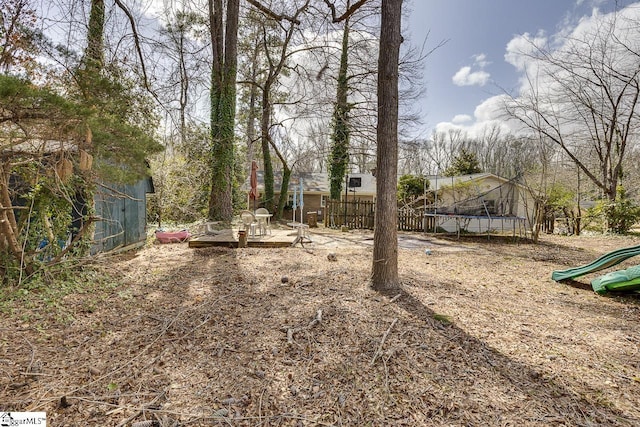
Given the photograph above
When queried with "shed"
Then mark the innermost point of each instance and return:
(122, 213)
(120, 209)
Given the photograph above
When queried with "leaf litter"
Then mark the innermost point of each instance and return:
(479, 335)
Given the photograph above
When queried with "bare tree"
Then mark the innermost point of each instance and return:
(339, 159)
(248, 70)
(183, 60)
(276, 35)
(442, 146)
(18, 42)
(584, 97)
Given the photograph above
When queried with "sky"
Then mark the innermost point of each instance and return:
(463, 76)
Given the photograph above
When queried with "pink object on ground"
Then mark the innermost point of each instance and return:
(172, 236)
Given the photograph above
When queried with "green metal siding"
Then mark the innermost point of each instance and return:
(122, 216)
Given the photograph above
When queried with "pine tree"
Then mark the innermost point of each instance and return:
(465, 163)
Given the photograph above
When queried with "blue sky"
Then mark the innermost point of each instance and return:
(471, 67)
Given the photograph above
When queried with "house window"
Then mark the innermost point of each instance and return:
(323, 201)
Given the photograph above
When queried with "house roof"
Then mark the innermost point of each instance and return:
(315, 182)
(35, 146)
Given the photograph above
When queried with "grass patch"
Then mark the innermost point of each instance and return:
(442, 318)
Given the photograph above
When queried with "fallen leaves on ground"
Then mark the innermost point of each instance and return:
(479, 335)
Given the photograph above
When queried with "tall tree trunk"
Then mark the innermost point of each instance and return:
(94, 54)
(252, 115)
(265, 140)
(90, 69)
(339, 160)
(93, 58)
(223, 106)
(384, 275)
(184, 91)
(284, 191)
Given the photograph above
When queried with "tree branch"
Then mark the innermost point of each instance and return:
(83, 230)
(350, 10)
(136, 39)
(277, 16)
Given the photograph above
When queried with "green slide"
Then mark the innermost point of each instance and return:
(618, 281)
(605, 261)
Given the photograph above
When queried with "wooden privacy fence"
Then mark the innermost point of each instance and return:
(412, 221)
(360, 215)
(356, 214)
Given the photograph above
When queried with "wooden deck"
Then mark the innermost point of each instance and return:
(229, 239)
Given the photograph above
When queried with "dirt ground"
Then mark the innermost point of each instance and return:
(479, 336)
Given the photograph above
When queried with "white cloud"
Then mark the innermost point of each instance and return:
(464, 77)
(488, 114)
(593, 3)
(521, 52)
(478, 77)
(461, 118)
(157, 9)
(491, 109)
(480, 60)
(521, 48)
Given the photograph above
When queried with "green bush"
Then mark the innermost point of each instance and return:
(615, 217)
(465, 163)
(411, 187)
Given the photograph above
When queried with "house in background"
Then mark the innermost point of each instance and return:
(361, 186)
(481, 199)
(479, 202)
(479, 194)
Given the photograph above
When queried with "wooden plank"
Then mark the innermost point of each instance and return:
(196, 243)
(229, 239)
(234, 244)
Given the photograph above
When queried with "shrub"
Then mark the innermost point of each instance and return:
(618, 216)
(411, 187)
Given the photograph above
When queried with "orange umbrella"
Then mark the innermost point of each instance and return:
(253, 193)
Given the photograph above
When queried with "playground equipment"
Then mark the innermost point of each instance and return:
(605, 261)
(618, 281)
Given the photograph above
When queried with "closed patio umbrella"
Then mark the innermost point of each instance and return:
(301, 203)
(295, 203)
(253, 180)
